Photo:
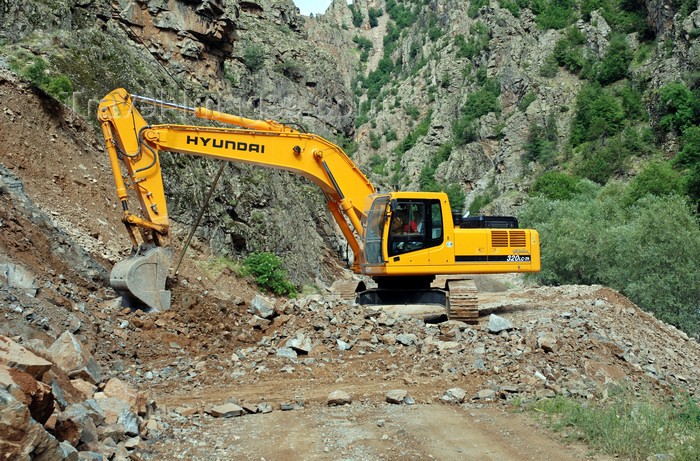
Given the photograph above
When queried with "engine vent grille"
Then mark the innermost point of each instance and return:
(499, 238)
(517, 239)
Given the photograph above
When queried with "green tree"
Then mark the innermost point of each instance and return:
(681, 108)
(615, 64)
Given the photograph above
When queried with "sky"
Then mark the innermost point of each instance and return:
(312, 6)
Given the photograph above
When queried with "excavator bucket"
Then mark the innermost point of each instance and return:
(140, 278)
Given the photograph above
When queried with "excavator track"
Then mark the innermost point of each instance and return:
(462, 302)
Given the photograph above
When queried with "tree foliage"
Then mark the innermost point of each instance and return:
(269, 274)
(645, 248)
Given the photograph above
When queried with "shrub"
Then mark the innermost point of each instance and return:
(600, 163)
(615, 64)
(374, 13)
(268, 273)
(356, 16)
(688, 158)
(254, 57)
(681, 108)
(542, 141)
(553, 14)
(568, 51)
(525, 102)
(598, 113)
(36, 73)
(656, 179)
(59, 86)
(480, 201)
(554, 185)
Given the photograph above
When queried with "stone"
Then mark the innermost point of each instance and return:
(486, 394)
(68, 452)
(342, 345)
(130, 421)
(226, 410)
(120, 390)
(389, 339)
(548, 342)
(396, 396)
(20, 278)
(36, 395)
(261, 307)
(85, 388)
(264, 408)
(301, 343)
(69, 354)
(75, 422)
(15, 356)
(407, 339)
(339, 397)
(498, 324)
(286, 353)
(115, 431)
(455, 395)
(112, 408)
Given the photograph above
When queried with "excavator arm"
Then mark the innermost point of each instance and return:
(132, 141)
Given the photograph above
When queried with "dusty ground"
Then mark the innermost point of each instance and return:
(206, 351)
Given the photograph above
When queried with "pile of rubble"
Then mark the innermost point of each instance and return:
(55, 404)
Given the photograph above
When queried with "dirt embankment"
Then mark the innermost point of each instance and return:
(64, 232)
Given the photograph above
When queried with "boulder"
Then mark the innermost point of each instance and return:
(20, 436)
(261, 307)
(37, 396)
(120, 390)
(396, 396)
(498, 324)
(15, 356)
(226, 410)
(69, 354)
(454, 395)
(339, 397)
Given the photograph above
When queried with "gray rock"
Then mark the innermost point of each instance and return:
(498, 324)
(486, 394)
(264, 408)
(69, 354)
(130, 421)
(301, 343)
(339, 397)
(286, 352)
(396, 396)
(407, 339)
(479, 364)
(455, 395)
(342, 345)
(261, 307)
(20, 278)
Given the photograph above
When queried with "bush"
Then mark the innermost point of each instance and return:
(657, 179)
(642, 250)
(254, 57)
(598, 114)
(36, 73)
(600, 163)
(679, 106)
(553, 14)
(542, 141)
(268, 273)
(615, 64)
(554, 185)
(526, 100)
(356, 16)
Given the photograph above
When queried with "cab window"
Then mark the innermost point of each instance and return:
(415, 225)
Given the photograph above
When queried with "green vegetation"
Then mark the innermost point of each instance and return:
(254, 57)
(626, 237)
(553, 14)
(475, 6)
(268, 273)
(478, 104)
(526, 100)
(554, 185)
(364, 45)
(428, 183)
(356, 16)
(374, 14)
(542, 141)
(628, 423)
(57, 85)
(479, 38)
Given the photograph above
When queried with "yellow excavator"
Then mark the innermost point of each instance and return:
(402, 240)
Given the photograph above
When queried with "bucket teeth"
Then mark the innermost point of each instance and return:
(142, 276)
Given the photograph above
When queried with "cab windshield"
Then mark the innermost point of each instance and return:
(375, 228)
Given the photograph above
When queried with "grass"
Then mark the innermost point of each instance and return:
(634, 425)
(214, 266)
